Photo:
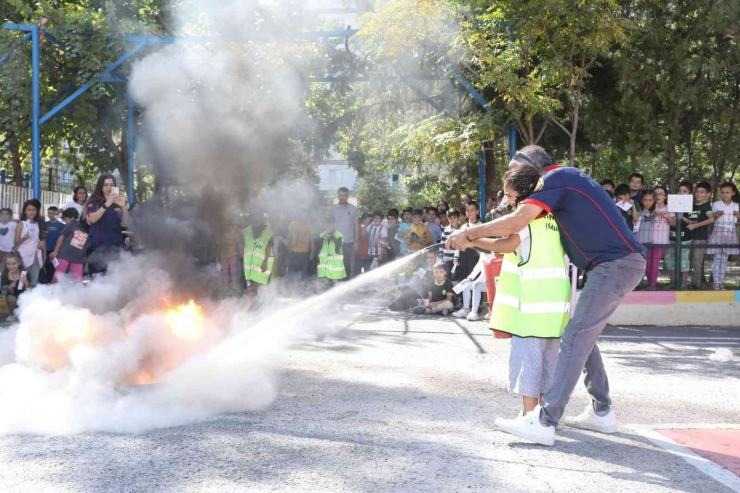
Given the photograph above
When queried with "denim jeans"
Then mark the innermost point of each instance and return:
(607, 285)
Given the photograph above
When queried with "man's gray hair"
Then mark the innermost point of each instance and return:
(534, 155)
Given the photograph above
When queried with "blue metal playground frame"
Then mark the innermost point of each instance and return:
(109, 75)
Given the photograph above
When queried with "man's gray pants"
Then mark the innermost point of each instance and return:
(607, 285)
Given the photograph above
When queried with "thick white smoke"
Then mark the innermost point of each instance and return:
(219, 115)
(227, 110)
(66, 368)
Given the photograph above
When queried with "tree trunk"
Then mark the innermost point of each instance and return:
(719, 167)
(15, 159)
(574, 127)
(120, 154)
(672, 168)
(490, 166)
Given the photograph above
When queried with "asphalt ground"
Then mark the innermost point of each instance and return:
(402, 403)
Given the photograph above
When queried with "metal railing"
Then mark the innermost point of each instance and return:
(678, 259)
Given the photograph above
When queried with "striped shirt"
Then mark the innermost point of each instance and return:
(447, 255)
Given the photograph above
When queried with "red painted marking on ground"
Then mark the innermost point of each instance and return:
(719, 446)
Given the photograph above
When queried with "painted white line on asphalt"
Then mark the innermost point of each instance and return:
(689, 426)
(614, 355)
(673, 338)
(714, 471)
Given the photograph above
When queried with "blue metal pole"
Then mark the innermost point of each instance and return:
(466, 85)
(36, 111)
(79, 92)
(131, 148)
(482, 177)
(254, 37)
(512, 142)
(19, 27)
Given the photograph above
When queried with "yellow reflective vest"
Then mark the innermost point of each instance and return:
(255, 250)
(331, 258)
(533, 295)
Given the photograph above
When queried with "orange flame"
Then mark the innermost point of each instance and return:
(186, 322)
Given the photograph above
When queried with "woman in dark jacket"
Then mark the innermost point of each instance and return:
(107, 215)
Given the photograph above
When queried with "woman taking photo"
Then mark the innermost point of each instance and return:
(107, 215)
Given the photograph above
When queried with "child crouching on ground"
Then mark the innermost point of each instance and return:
(439, 296)
(532, 300)
(70, 248)
(14, 282)
(408, 290)
(331, 258)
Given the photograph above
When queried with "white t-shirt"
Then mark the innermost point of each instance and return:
(727, 220)
(525, 245)
(73, 205)
(7, 236)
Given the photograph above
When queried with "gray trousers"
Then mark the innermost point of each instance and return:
(607, 285)
(349, 259)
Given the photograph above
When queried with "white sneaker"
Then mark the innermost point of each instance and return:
(529, 428)
(461, 313)
(589, 420)
(473, 316)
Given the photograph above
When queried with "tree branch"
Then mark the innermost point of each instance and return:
(549, 43)
(557, 122)
(522, 132)
(542, 132)
(165, 27)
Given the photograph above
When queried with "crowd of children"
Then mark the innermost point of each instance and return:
(86, 232)
(36, 251)
(709, 229)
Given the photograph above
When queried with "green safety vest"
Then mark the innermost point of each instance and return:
(533, 297)
(331, 263)
(254, 255)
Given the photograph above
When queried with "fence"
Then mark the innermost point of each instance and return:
(704, 258)
(13, 197)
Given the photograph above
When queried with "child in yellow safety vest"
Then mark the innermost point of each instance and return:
(331, 258)
(259, 257)
(533, 295)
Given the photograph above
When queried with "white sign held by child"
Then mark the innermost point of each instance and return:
(680, 203)
(459, 287)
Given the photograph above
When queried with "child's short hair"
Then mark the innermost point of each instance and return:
(393, 213)
(687, 184)
(52, 208)
(408, 209)
(607, 182)
(433, 209)
(702, 184)
(453, 213)
(364, 216)
(622, 190)
(417, 212)
(70, 213)
(379, 214)
(434, 251)
(474, 204)
(8, 210)
(440, 266)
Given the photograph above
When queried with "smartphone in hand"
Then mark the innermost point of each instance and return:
(116, 191)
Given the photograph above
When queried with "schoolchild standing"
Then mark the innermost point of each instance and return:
(726, 212)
